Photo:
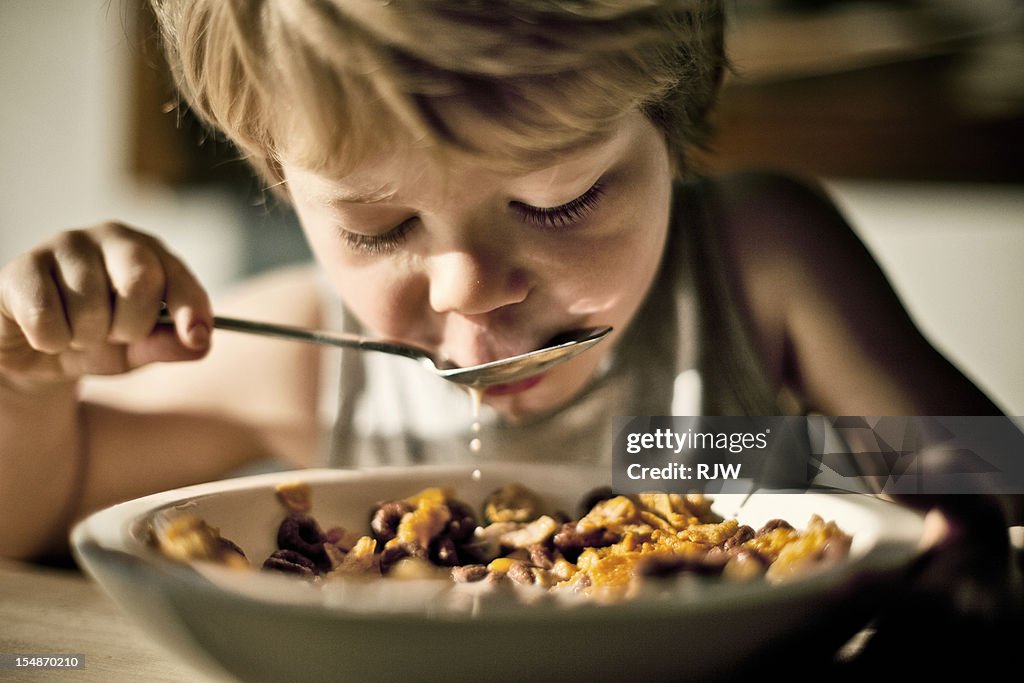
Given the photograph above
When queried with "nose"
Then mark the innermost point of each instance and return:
(474, 283)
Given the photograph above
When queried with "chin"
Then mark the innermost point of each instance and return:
(558, 387)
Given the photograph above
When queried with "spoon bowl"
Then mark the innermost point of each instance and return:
(515, 368)
(502, 371)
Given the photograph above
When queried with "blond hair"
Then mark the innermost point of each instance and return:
(327, 83)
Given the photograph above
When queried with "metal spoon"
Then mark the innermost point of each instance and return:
(503, 371)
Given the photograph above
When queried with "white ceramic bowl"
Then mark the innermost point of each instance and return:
(262, 626)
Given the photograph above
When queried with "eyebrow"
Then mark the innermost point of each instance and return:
(374, 196)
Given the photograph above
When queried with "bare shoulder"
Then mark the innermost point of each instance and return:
(775, 233)
(291, 295)
(833, 330)
(784, 224)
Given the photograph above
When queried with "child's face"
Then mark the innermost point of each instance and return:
(477, 264)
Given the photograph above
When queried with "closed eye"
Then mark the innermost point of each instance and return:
(564, 215)
(377, 245)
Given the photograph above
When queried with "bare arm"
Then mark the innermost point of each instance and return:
(84, 305)
(834, 333)
(40, 466)
(270, 385)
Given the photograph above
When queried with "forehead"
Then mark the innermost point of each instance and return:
(399, 171)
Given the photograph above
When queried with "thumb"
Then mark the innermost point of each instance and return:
(187, 304)
(164, 344)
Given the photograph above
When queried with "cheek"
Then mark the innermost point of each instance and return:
(610, 277)
(613, 282)
(384, 295)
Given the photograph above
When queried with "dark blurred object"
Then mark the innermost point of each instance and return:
(889, 90)
(961, 611)
(168, 144)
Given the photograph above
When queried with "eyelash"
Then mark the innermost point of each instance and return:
(554, 217)
(563, 216)
(376, 245)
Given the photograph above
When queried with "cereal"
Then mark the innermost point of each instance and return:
(386, 517)
(511, 503)
(618, 544)
(302, 534)
(296, 497)
(290, 562)
(185, 537)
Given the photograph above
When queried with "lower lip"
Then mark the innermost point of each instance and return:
(514, 387)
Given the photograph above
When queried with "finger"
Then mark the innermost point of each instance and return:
(32, 299)
(162, 345)
(82, 279)
(137, 282)
(187, 303)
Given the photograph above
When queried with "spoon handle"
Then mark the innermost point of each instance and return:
(311, 336)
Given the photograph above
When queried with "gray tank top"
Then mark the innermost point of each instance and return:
(689, 351)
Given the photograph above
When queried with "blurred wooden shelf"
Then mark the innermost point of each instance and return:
(890, 89)
(893, 121)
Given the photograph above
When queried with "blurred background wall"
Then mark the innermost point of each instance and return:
(911, 112)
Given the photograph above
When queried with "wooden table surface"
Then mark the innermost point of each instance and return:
(57, 611)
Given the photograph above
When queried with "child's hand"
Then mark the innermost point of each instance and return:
(963, 595)
(87, 301)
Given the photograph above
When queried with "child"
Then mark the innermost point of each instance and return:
(473, 178)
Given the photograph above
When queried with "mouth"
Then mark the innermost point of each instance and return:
(514, 387)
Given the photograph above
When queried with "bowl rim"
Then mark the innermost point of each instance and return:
(108, 536)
